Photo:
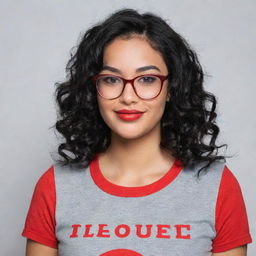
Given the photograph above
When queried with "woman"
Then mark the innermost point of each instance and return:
(137, 176)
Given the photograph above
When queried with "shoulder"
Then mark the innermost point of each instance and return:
(229, 182)
(230, 193)
(44, 190)
(205, 173)
(46, 177)
(56, 172)
(231, 222)
(46, 183)
(230, 198)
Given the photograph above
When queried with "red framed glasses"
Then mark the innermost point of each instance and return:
(146, 87)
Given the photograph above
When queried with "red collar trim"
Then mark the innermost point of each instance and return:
(140, 191)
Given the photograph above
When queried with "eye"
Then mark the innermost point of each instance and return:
(110, 80)
(147, 79)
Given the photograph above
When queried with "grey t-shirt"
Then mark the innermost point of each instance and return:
(174, 216)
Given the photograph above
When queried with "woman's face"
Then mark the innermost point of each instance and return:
(126, 56)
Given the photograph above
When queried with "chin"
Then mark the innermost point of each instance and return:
(128, 135)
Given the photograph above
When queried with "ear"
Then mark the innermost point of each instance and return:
(168, 97)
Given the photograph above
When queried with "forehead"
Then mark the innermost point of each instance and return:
(132, 53)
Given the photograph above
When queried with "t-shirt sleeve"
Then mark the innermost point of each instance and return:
(40, 221)
(231, 222)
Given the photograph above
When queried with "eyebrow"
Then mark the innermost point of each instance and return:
(141, 69)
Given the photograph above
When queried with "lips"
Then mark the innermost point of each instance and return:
(129, 115)
(129, 111)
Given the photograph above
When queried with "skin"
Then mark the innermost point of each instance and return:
(36, 249)
(134, 157)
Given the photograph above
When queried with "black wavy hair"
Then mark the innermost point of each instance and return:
(189, 117)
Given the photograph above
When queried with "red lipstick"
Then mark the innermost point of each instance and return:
(129, 115)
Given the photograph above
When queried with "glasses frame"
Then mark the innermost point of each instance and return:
(131, 81)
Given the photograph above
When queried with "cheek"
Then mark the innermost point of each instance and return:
(105, 109)
(159, 106)
(101, 107)
(158, 111)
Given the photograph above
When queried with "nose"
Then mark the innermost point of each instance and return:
(128, 95)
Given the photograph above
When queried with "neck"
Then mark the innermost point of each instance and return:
(138, 156)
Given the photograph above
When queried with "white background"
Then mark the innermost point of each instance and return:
(36, 39)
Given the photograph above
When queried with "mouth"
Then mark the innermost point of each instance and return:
(129, 116)
(126, 111)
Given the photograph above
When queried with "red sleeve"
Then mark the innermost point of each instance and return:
(40, 220)
(231, 224)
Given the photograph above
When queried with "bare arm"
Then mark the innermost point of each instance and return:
(36, 249)
(239, 251)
